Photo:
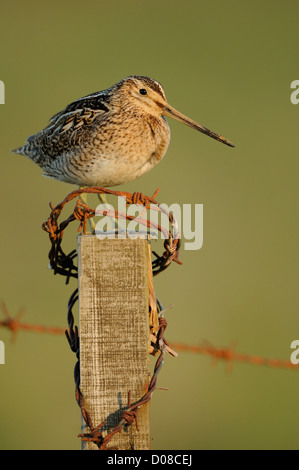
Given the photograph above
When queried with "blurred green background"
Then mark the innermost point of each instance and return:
(229, 66)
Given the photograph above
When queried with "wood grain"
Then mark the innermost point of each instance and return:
(114, 333)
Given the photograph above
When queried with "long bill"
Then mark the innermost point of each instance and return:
(170, 111)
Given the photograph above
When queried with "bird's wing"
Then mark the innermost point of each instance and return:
(67, 128)
(70, 121)
(96, 101)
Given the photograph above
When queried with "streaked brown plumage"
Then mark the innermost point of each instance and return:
(109, 137)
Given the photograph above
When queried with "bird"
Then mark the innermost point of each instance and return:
(109, 137)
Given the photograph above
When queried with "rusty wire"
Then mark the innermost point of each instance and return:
(14, 324)
(227, 354)
(63, 264)
(130, 414)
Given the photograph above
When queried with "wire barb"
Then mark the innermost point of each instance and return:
(129, 416)
(63, 263)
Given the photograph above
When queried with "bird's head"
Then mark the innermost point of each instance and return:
(148, 96)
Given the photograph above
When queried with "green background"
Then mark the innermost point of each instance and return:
(229, 66)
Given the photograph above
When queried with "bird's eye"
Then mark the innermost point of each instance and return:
(142, 91)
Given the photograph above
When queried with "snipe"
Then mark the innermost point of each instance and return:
(109, 137)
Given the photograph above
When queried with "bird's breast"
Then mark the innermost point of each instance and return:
(132, 138)
(123, 150)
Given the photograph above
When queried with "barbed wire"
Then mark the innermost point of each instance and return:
(227, 354)
(14, 324)
(230, 355)
(63, 264)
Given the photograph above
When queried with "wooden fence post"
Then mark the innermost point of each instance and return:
(114, 333)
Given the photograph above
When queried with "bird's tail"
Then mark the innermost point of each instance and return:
(27, 152)
(20, 150)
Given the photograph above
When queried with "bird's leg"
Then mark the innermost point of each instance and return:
(102, 198)
(92, 225)
(83, 197)
(103, 201)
